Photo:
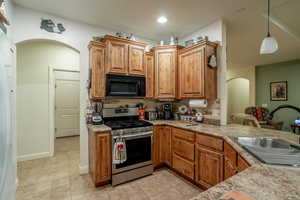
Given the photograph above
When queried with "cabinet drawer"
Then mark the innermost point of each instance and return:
(183, 134)
(183, 166)
(211, 142)
(183, 148)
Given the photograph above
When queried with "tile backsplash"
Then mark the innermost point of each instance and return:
(212, 109)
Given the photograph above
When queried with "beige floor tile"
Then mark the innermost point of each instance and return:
(57, 178)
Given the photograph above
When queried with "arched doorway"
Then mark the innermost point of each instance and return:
(238, 95)
(35, 58)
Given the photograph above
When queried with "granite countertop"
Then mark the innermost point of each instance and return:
(98, 128)
(260, 182)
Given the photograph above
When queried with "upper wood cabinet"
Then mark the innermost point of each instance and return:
(124, 56)
(149, 67)
(165, 71)
(117, 57)
(195, 78)
(100, 157)
(97, 70)
(136, 60)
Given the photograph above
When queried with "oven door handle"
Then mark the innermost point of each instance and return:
(136, 135)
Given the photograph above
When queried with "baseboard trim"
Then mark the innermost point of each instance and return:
(83, 169)
(33, 156)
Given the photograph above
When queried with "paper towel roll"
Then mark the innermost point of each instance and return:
(198, 103)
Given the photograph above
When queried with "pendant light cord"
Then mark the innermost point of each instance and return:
(269, 18)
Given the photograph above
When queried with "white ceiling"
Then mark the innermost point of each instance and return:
(246, 25)
(139, 16)
(247, 29)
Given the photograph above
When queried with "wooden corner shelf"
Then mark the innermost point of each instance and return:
(4, 19)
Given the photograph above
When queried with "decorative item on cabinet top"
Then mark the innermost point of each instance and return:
(3, 13)
(122, 39)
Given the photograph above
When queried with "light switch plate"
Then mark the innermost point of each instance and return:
(264, 105)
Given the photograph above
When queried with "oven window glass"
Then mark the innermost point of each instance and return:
(138, 151)
(129, 88)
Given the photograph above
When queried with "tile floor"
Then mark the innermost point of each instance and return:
(57, 178)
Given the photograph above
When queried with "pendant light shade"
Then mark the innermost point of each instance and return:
(269, 45)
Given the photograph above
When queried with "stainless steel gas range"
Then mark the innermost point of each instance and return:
(138, 138)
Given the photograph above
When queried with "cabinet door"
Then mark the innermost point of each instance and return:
(156, 145)
(149, 66)
(103, 156)
(165, 146)
(209, 167)
(191, 73)
(242, 164)
(97, 72)
(229, 169)
(165, 73)
(136, 60)
(117, 58)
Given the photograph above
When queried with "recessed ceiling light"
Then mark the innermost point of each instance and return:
(162, 20)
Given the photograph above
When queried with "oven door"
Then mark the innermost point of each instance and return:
(139, 152)
(127, 86)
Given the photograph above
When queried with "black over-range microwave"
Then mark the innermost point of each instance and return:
(125, 86)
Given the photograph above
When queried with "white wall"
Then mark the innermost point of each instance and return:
(247, 72)
(77, 35)
(216, 32)
(33, 61)
(238, 95)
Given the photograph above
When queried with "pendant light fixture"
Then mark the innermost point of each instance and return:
(269, 45)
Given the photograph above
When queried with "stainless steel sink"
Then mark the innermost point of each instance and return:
(273, 151)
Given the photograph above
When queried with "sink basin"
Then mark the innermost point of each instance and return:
(273, 151)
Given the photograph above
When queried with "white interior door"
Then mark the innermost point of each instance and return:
(67, 90)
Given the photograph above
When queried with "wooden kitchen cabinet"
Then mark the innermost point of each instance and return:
(165, 154)
(97, 70)
(149, 67)
(208, 167)
(162, 146)
(100, 162)
(165, 71)
(195, 78)
(117, 57)
(242, 164)
(183, 152)
(230, 161)
(156, 146)
(136, 60)
(183, 166)
(125, 57)
(183, 144)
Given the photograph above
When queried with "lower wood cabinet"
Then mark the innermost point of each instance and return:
(165, 153)
(162, 146)
(183, 166)
(229, 169)
(209, 167)
(100, 157)
(204, 159)
(230, 161)
(242, 164)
